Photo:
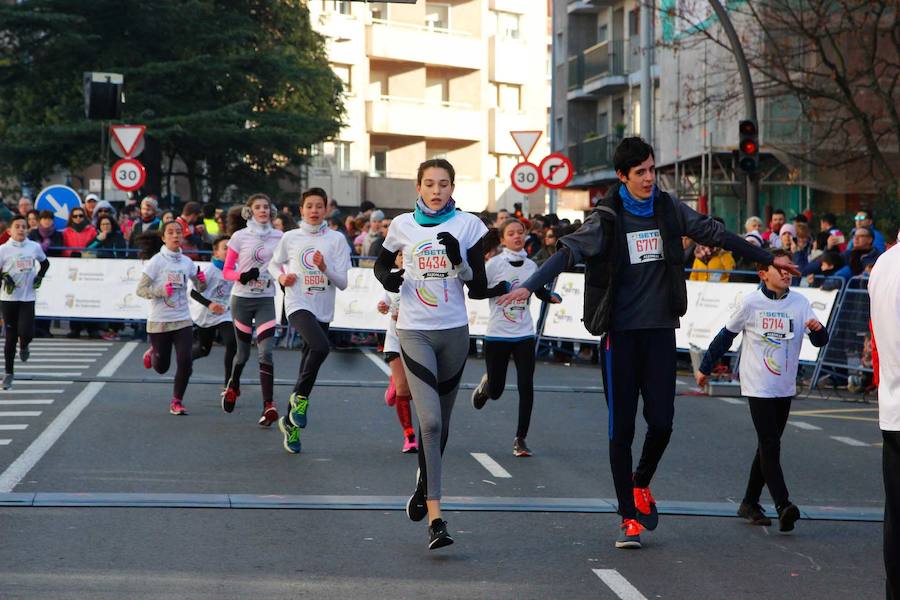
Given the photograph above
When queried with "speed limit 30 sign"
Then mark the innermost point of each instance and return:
(526, 177)
(128, 175)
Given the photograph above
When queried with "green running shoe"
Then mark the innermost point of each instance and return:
(297, 413)
(291, 435)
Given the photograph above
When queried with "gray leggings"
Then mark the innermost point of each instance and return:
(434, 362)
(247, 313)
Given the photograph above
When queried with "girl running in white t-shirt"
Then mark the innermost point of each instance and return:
(18, 282)
(311, 262)
(510, 330)
(441, 249)
(253, 300)
(164, 281)
(211, 310)
(397, 394)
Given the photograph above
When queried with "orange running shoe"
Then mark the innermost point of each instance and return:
(630, 538)
(646, 508)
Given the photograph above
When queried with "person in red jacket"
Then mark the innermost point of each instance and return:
(78, 233)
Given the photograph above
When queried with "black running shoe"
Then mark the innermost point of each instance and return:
(437, 535)
(24, 353)
(416, 509)
(754, 513)
(480, 395)
(787, 516)
(520, 448)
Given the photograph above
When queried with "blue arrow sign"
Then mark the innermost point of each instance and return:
(60, 200)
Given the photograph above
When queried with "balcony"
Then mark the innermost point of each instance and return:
(415, 117)
(405, 42)
(587, 7)
(506, 61)
(598, 71)
(593, 154)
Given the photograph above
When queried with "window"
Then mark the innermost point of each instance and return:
(378, 162)
(342, 155)
(437, 16)
(437, 89)
(505, 164)
(338, 6)
(507, 26)
(344, 73)
(602, 33)
(602, 123)
(509, 97)
(379, 10)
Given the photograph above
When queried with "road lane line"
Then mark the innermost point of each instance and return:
(5, 442)
(804, 425)
(60, 353)
(4, 393)
(30, 457)
(732, 401)
(35, 401)
(620, 586)
(848, 440)
(375, 358)
(32, 367)
(491, 465)
(20, 413)
(56, 360)
(14, 427)
(54, 382)
(62, 373)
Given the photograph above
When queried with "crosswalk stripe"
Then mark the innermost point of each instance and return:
(13, 427)
(26, 402)
(20, 413)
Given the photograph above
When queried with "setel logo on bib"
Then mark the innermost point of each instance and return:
(313, 281)
(429, 261)
(644, 246)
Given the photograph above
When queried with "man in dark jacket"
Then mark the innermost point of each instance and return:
(149, 221)
(634, 295)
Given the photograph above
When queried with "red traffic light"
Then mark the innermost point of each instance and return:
(749, 147)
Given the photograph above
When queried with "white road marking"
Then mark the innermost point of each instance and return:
(56, 360)
(32, 367)
(491, 465)
(79, 345)
(375, 358)
(5, 442)
(32, 402)
(62, 373)
(620, 586)
(732, 400)
(18, 383)
(15, 427)
(52, 353)
(805, 425)
(848, 440)
(54, 382)
(30, 457)
(20, 413)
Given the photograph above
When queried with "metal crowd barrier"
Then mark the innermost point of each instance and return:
(847, 356)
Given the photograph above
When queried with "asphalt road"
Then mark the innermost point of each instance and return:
(107, 495)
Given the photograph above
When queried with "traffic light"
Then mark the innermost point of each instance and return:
(748, 147)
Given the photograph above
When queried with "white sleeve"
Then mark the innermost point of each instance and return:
(393, 241)
(39, 253)
(337, 273)
(491, 272)
(738, 319)
(279, 258)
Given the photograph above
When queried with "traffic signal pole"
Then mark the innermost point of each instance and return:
(751, 183)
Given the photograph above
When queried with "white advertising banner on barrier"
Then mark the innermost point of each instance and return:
(93, 288)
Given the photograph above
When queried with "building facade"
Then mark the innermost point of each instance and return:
(445, 79)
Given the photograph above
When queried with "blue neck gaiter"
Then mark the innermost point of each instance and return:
(425, 216)
(219, 264)
(639, 208)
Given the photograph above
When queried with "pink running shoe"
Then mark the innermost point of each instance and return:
(410, 445)
(176, 408)
(390, 395)
(148, 358)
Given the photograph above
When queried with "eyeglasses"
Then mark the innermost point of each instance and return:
(77, 216)
(860, 218)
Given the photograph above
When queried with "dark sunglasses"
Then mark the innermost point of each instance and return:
(77, 216)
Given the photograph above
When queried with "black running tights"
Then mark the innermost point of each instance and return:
(496, 358)
(19, 319)
(770, 417)
(162, 344)
(315, 349)
(206, 336)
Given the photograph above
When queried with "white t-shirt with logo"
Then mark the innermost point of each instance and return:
(432, 293)
(314, 290)
(884, 294)
(770, 347)
(513, 320)
(254, 246)
(391, 341)
(177, 269)
(20, 261)
(218, 289)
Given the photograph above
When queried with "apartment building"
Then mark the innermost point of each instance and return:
(445, 79)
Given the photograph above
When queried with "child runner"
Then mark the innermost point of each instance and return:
(397, 393)
(511, 330)
(773, 321)
(17, 296)
(433, 324)
(311, 262)
(164, 282)
(252, 299)
(212, 311)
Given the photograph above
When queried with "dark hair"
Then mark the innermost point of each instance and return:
(491, 240)
(366, 205)
(45, 214)
(778, 211)
(510, 221)
(800, 218)
(191, 208)
(775, 252)
(219, 240)
(209, 211)
(115, 225)
(828, 218)
(17, 217)
(314, 191)
(287, 221)
(235, 220)
(436, 163)
(631, 152)
(151, 241)
(832, 258)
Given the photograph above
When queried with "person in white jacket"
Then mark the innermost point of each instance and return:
(311, 262)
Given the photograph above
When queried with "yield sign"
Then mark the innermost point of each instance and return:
(526, 141)
(128, 136)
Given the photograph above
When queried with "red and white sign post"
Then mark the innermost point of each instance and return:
(128, 175)
(127, 141)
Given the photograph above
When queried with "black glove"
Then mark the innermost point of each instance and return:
(393, 281)
(37, 281)
(9, 283)
(498, 290)
(449, 242)
(248, 276)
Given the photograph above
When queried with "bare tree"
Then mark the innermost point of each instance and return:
(827, 71)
